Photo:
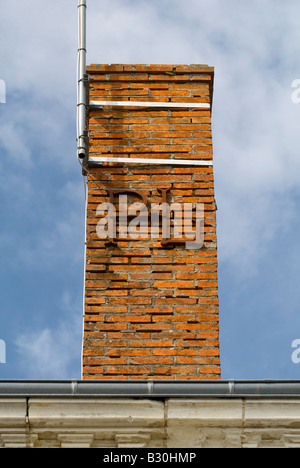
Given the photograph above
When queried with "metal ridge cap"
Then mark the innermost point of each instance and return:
(151, 388)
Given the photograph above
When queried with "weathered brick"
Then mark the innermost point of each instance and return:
(151, 311)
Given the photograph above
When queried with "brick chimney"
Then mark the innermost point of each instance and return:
(151, 303)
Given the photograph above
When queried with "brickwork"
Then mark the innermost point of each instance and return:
(151, 306)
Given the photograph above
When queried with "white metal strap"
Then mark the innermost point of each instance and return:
(201, 105)
(171, 162)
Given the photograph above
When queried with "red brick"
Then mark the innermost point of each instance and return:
(151, 312)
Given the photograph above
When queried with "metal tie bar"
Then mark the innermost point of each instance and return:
(100, 104)
(177, 162)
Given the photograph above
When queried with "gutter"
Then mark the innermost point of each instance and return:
(150, 389)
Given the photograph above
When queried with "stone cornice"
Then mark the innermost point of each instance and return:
(149, 423)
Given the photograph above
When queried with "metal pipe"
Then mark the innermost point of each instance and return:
(81, 82)
(151, 389)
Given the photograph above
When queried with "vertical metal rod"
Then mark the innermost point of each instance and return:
(82, 103)
(81, 90)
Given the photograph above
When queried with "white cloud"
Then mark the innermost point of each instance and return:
(53, 352)
(40, 46)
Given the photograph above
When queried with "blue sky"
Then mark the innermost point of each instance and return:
(255, 49)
